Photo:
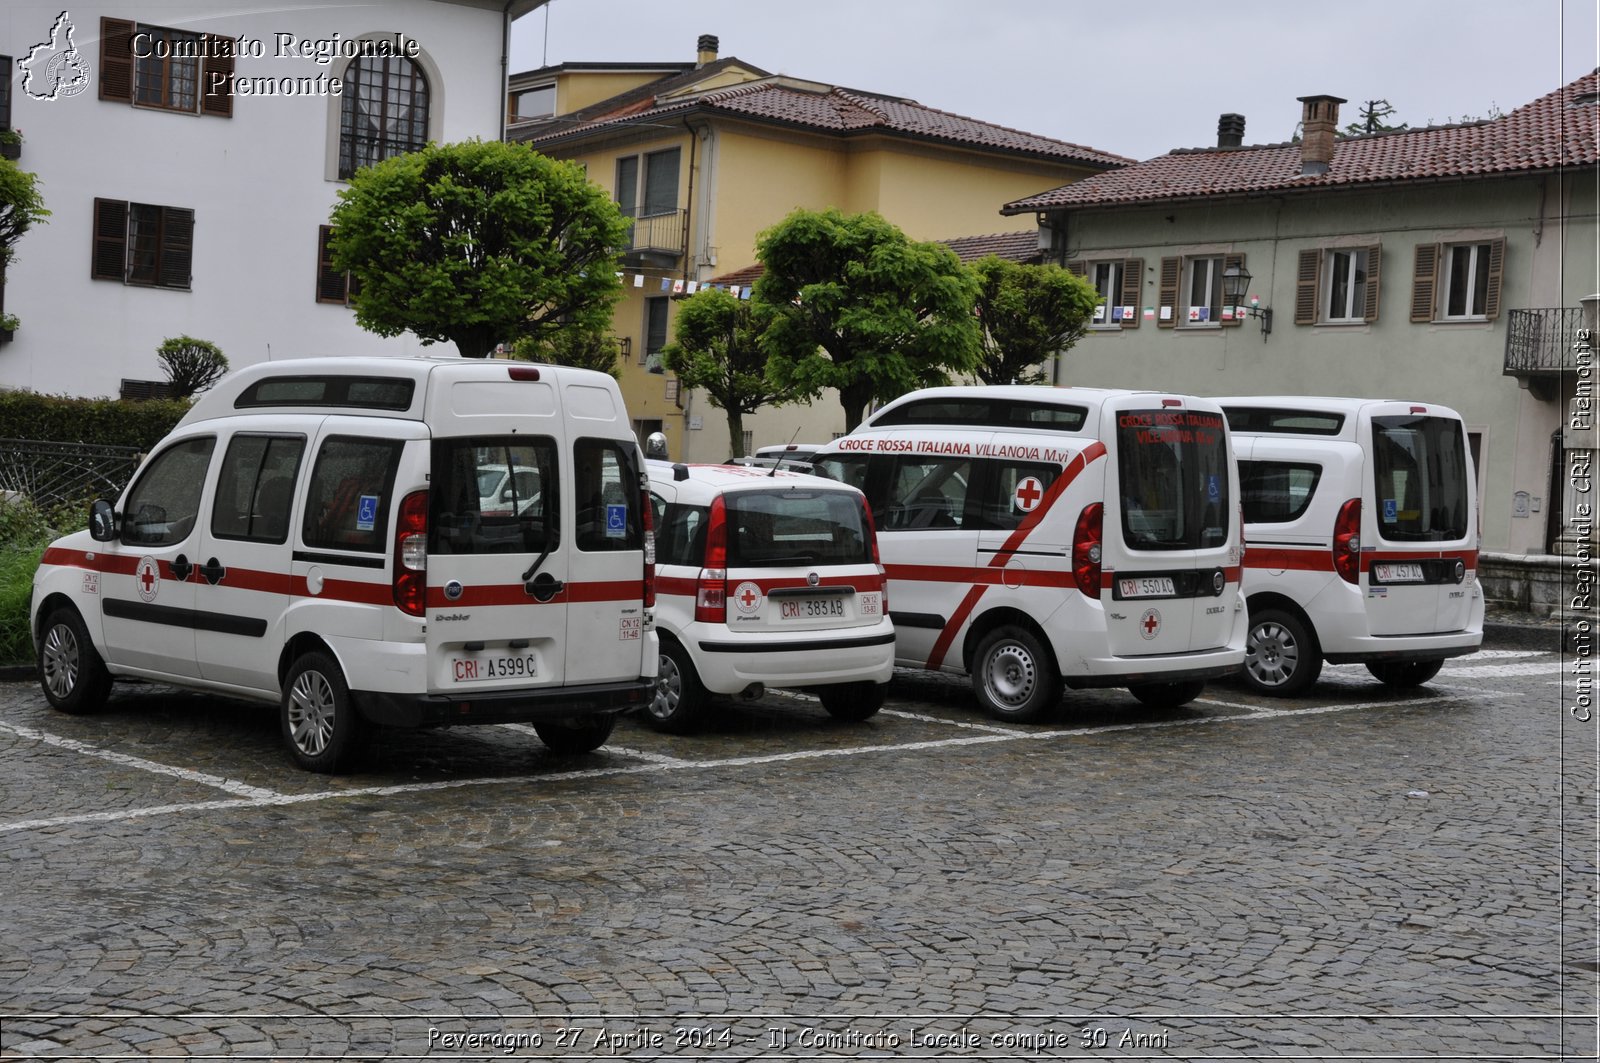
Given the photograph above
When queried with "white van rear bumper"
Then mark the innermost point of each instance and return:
(728, 665)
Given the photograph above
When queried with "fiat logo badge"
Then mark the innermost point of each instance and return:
(452, 590)
(813, 579)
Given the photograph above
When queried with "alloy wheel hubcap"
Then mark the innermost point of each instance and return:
(669, 687)
(1272, 655)
(311, 713)
(61, 661)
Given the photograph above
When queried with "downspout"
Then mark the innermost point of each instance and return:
(686, 397)
(505, 67)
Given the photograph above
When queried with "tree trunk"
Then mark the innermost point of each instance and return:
(476, 342)
(854, 398)
(735, 434)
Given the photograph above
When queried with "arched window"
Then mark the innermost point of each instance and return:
(383, 111)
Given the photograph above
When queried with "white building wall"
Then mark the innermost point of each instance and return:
(258, 183)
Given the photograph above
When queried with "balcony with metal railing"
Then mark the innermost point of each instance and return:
(1541, 347)
(656, 239)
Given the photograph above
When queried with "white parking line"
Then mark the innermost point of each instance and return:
(254, 797)
(624, 751)
(227, 785)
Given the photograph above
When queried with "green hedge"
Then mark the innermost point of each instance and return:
(101, 422)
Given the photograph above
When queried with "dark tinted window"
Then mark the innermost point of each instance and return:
(926, 492)
(1288, 422)
(681, 534)
(1420, 478)
(781, 528)
(1173, 476)
(349, 497)
(163, 504)
(255, 489)
(371, 393)
(493, 495)
(1276, 492)
(607, 495)
(1011, 490)
(985, 412)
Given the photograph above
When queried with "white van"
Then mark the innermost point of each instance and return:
(765, 578)
(315, 533)
(1037, 536)
(1362, 534)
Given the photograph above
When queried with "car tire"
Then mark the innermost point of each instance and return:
(1404, 673)
(679, 702)
(1014, 675)
(71, 671)
(572, 737)
(853, 702)
(318, 719)
(1167, 695)
(1281, 657)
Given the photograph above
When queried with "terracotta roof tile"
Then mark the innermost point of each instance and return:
(1556, 130)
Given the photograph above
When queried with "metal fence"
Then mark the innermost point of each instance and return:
(54, 474)
(1540, 341)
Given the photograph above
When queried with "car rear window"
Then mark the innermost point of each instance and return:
(493, 495)
(793, 528)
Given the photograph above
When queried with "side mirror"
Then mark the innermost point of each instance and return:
(102, 521)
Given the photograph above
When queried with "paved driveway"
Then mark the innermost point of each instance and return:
(1361, 872)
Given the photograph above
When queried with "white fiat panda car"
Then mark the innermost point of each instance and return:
(317, 534)
(1361, 522)
(765, 578)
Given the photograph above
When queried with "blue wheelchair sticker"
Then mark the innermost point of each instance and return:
(1391, 512)
(616, 521)
(367, 513)
(1213, 488)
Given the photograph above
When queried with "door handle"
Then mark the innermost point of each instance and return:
(213, 571)
(181, 568)
(544, 587)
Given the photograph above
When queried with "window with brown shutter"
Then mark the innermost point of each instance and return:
(1307, 286)
(216, 77)
(144, 244)
(116, 59)
(1424, 278)
(166, 69)
(1132, 289)
(1167, 292)
(1374, 270)
(1467, 280)
(5, 92)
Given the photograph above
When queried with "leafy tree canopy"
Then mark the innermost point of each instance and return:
(191, 365)
(21, 207)
(717, 350)
(478, 243)
(1027, 313)
(858, 306)
(583, 349)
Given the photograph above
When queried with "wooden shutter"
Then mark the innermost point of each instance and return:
(1424, 277)
(1167, 291)
(1307, 282)
(216, 77)
(1228, 262)
(1374, 266)
(1132, 289)
(331, 283)
(109, 261)
(1078, 269)
(177, 247)
(116, 59)
(1497, 262)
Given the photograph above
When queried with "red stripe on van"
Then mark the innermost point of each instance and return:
(1309, 559)
(1091, 453)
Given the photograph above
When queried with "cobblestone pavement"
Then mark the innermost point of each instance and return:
(1361, 873)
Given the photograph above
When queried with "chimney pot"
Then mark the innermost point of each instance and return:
(1230, 131)
(707, 49)
(1319, 122)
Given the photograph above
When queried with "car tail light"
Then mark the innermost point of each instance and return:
(1347, 542)
(649, 519)
(411, 555)
(711, 590)
(1086, 549)
(872, 537)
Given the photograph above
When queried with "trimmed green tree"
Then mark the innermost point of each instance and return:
(859, 307)
(585, 350)
(478, 243)
(1027, 313)
(717, 350)
(191, 365)
(21, 208)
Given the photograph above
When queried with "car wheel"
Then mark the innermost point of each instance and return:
(319, 722)
(1015, 676)
(571, 737)
(680, 698)
(1404, 673)
(71, 672)
(1280, 656)
(852, 701)
(1167, 695)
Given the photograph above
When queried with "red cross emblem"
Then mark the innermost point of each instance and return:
(147, 578)
(1029, 491)
(1150, 623)
(747, 598)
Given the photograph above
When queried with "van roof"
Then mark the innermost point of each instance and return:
(1314, 415)
(362, 385)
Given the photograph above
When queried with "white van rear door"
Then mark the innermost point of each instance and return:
(606, 636)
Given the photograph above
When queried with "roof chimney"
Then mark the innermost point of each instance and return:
(1230, 131)
(1318, 122)
(707, 46)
